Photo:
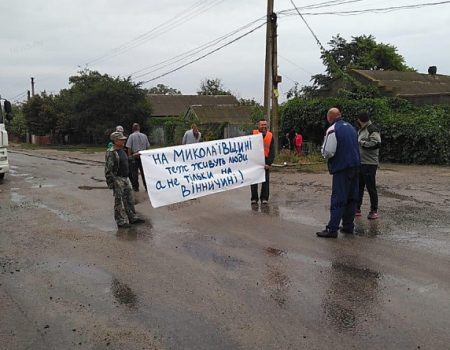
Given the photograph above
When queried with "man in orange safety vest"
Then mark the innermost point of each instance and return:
(269, 154)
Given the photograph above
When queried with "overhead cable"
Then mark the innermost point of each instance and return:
(190, 53)
(292, 12)
(193, 11)
(205, 55)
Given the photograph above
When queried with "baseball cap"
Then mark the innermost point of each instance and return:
(117, 136)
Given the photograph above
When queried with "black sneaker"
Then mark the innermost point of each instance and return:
(254, 201)
(138, 221)
(124, 225)
(327, 234)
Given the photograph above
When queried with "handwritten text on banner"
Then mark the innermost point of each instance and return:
(180, 173)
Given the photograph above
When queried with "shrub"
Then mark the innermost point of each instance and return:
(409, 134)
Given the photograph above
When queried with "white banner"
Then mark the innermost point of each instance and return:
(180, 173)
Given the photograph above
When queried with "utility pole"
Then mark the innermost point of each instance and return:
(268, 65)
(275, 80)
(32, 86)
(271, 74)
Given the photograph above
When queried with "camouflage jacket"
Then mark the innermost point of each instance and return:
(111, 167)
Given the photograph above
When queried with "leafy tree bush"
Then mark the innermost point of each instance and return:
(409, 134)
(18, 124)
(212, 87)
(40, 114)
(362, 52)
(95, 103)
(161, 89)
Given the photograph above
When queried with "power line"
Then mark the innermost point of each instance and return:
(205, 55)
(19, 95)
(292, 12)
(307, 25)
(294, 64)
(194, 10)
(192, 52)
(328, 4)
(181, 18)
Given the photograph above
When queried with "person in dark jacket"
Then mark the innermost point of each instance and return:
(269, 154)
(369, 140)
(341, 149)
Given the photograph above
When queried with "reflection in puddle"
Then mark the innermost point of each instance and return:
(369, 228)
(143, 233)
(207, 254)
(123, 293)
(351, 296)
(269, 209)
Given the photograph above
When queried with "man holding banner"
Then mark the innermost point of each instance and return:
(180, 173)
(269, 155)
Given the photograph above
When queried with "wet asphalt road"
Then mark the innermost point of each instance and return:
(215, 273)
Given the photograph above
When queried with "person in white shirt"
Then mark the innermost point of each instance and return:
(192, 135)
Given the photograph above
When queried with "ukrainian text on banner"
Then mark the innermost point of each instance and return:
(180, 173)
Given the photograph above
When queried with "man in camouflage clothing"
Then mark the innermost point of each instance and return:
(116, 173)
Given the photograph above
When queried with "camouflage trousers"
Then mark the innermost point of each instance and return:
(124, 211)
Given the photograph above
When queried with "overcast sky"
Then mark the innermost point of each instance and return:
(51, 40)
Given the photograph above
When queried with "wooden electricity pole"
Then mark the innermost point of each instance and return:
(275, 80)
(271, 74)
(32, 86)
(268, 65)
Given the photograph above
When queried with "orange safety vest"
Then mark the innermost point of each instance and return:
(267, 141)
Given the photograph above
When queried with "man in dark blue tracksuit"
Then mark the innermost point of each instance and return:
(341, 149)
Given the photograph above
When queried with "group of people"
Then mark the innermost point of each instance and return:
(123, 165)
(292, 141)
(352, 158)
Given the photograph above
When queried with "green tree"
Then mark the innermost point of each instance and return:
(212, 87)
(18, 124)
(40, 114)
(161, 89)
(248, 102)
(362, 52)
(96, 102)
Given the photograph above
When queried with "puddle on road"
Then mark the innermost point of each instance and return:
(370, 228)
(89, 188)
(42, 186)
(136, 233)
(123, 293)
(22, 202)
(96, 179)
(268, 209)
(274, 251)
(286, 211)
(206, 254)
(355, 272)
(352, 295)
(278, 284)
